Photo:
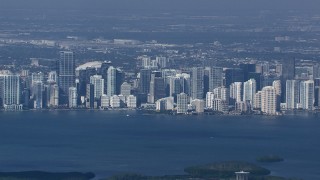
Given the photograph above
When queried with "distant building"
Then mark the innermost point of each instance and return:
(269, 100)
(98, 84)
(66, 73)
(215, 77)
(10, 91)
(53, 95)
(236, 92)
(242, 175)
(105, 101)
(115, 101)
(249, 90)
(234, 75)
(292, 94)
(182, 103)
(126, 89)
(90, 96)
(197, 83)
(38, 89)
(73, 97)
(198, 104)
(131, 101)
(307, 95)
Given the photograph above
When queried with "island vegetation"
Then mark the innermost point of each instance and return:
(39, 175)
(215, 171)
(270, 159)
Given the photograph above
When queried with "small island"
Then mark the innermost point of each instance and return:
(270, 159)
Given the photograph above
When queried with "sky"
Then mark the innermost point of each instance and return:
(181, 5)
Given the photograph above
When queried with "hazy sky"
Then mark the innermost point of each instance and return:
(184, 5)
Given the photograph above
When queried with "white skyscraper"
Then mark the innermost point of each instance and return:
(292, 94)
(73, 97)
(249, 90)
(277, 86)
(10, 91)
(236, 91)
(98, 84)
(209, 99)
(307, 94)
(257, 100)
(269, 100)
(182, 103)
(112, 81)
(54, 95)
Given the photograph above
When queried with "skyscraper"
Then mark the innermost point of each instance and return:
(234, 75)
(10, 91)
(197, 83)
(182, 103)
(157, 87)
(269, 100)
(98, 84)
(73, 97)
(112, 80)
(292, 94)
(247, 69)
(307, 94)
(144, 81)
(66, 73)
(235, 92)
(249, 90)
(215, 77)
(288, 69)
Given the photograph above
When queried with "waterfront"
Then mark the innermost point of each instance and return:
(109, 142)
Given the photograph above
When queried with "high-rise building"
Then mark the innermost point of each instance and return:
(215, 77)
(115, 101)
(66, 73)
(209, 99)
(131, 101)
(125, 89)
(257, 100)
(104, 73)
(249, 90)
(52, 77)
(10, 91)
(182, 103)
(198, 105)
(144, 81)
(247, 69)
(112, 81)
(292, 94)
(288, 69)
(98, 84)
(162, 62)
(197, 83)
(234, 75)
(105, 101)
(307, 94)
(73, 97)
(90, 96)
(235, 92)
(53, 95)
(157, 88)
(38, 89)
(269, 100)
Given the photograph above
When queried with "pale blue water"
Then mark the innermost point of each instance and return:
(109, 142)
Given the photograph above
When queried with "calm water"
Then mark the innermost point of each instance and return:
(110, 142)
